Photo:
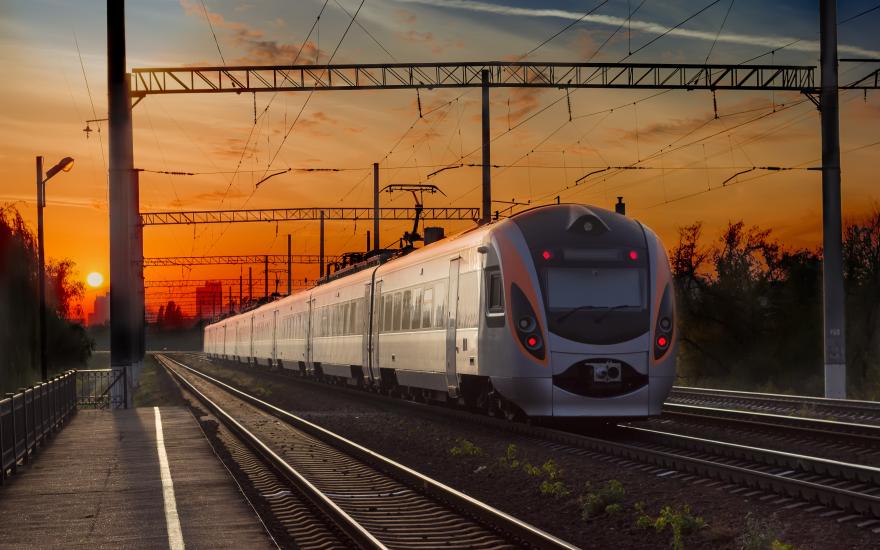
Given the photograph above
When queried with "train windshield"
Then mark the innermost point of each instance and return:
(597, 305)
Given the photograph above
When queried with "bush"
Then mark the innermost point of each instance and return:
(604, 501)
(680, 521)
(465, 448)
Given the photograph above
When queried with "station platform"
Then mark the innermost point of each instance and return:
(110, 479)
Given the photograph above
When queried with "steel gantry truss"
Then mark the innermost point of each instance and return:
(390, 76)
(274, 259)
(303, 214)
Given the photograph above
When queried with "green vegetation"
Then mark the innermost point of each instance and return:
(762, 533)
(680, 521)
(745, 303)
(68, 344)
(549, 473)
(156, 388)
(464, 447)
(606, 500)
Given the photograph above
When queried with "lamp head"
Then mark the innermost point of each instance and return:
(65, 165)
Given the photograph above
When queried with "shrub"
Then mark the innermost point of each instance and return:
(465, 448)
(760, 533)
(680, 521)
(604, 501)
(510, 457)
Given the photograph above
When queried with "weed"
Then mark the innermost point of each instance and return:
(779, 545)
(555, 489)
(680, 521)
(606, 500)
(760, 533)
(533, 471)
(510, 457)
(465, 448)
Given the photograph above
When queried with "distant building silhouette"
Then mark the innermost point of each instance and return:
(101, 311)
(209, 300)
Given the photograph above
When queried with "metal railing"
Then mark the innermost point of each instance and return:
(29, 416)
(101, 388)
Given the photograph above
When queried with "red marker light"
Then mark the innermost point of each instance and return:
(546, 255)
(662, 341)
(633, 255)
(532, 341)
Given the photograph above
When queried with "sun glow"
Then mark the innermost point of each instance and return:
(95, 279)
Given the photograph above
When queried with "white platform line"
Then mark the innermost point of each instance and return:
(172, 521)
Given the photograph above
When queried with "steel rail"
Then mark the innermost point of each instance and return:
(866, 435)
(828, 407)
(490, 517)
(362, 537)
(827, 495)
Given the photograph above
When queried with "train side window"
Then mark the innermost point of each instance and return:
(417, 309)
(494, 293)
(427, 307)
(386, 325)
(406, 311)
(440, 314)
(395, 323)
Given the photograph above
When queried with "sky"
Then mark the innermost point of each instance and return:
(53, 58)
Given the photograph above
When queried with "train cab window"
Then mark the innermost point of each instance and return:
(427, 307)
(395, 312)
(417, 309)
(406, 311)
(494, 293)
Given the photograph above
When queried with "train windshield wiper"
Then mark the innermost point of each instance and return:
(583, 307)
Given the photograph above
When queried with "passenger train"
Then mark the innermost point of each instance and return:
(558, 311)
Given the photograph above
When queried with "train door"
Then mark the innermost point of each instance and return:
(376, 328)
(367, 323)
(309, 331)
(275, 337)
(251, 339)
(451, 324)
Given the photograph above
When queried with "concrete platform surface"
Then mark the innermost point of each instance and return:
(101, 482)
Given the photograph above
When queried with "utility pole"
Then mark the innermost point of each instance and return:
(122, 310)
(487, 174)
(289, 274)
(375, 207)
(266, 277)
(41, 272)
(368, 240)
(240, 290)
(250, 284)
(833, 294)
(321, 246)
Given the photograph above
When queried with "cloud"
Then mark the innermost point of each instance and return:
(428, 39)
(648, 27)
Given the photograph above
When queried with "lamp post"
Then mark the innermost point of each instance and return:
(65, 165)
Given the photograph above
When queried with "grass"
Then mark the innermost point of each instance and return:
(156, 388)
(680, 521)
(605, 500)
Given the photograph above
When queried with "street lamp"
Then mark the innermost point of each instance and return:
(65, 165)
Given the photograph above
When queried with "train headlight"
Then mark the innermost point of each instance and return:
(664, 328)
(526, 323)
(533, 342)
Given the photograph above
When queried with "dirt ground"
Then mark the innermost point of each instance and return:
(550, 488)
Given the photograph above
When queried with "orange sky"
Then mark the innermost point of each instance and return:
(46, 104)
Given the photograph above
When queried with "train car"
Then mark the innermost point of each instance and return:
(559, 311)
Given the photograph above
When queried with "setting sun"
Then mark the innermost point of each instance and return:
(95, 279)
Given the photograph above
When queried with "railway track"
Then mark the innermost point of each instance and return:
(370, 500)
(840, 489)
(859, 412)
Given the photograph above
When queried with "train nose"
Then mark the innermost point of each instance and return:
(607, 385)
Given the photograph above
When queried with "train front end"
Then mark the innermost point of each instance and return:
(590, 316)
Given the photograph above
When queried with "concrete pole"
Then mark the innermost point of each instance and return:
(376, 244)
(487, 174)
(368, 240)
(266, 277)
(321, 246)
(289, 273)
(240, 291)
(832, 265)
(137, 274)
(250, 284)
(41, 272)
(122, 333)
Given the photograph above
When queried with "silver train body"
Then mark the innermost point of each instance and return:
(559, 311)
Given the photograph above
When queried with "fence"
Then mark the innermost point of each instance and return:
(101, 388)
(28, 417)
